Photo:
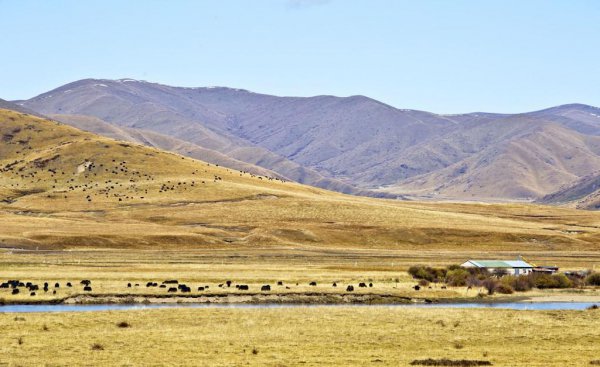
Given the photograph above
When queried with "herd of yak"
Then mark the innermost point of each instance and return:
(174, 286)
(171, 286)
(15, 286)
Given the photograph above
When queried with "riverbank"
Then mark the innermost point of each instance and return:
(313, 298)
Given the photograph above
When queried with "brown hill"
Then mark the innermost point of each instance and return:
(353, 144)
(61, 187)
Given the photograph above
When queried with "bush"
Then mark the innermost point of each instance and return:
(491, 285)
(593, 279)
(457, 277)
(504, 289)
(423, 283)
(427, 273)
(545, 281)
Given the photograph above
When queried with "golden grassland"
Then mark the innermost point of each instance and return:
(64, 188)
(111, 270)
(314, 336)
(77, 206)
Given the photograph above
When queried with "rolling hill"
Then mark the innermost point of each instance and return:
(351, 144)
(61, 187)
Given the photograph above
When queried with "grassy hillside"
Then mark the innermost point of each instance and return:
(63, 188)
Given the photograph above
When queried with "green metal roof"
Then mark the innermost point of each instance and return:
(500, 264)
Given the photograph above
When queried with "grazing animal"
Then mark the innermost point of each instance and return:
(171, 281)
(313, 284)
(417, 287)
(362, 285)
(54, 291)
(265, 288)
(280, 283)
(243, 287)
(163, 286)
(370, 285)
(350, 288)
(149, 284)
(228, 283)
(185, 289)
(86, 282)
(172, 290)
(32, 294)
(87, 288)
(69, 285)
(444, 287)
(200, 289)
(56, 285)
(15, 291)
(334, 284)
(128, 285)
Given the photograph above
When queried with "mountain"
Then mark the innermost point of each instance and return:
(352, 144)
(169, 111)
(582, 194)
(523, 158)
(61, 187)
(16, 107)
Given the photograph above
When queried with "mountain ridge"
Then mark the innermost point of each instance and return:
(350, 144)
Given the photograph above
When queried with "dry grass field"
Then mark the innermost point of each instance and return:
(111, 271)
(317, 336)
(76, 206)
(61, 188)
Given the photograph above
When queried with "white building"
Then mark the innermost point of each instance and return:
(515, 267)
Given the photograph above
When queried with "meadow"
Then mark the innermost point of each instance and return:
(77, 206)
(318, 336)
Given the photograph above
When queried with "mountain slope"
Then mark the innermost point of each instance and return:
(583, 194)
(169, 111)
(61, 187)
(149, 138)
(354, 144)
(531, 159)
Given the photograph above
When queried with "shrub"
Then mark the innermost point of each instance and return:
(457, 277)
(423, 283)
(97, 346)
(523, 283)
(491, 285)
(544, 281)
(504, 289)
(593, 279)
(427, 273)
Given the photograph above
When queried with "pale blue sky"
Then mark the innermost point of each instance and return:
(441, 56)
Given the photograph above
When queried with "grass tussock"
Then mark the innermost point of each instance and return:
(97, 346)
(450, 362)
(123, 325)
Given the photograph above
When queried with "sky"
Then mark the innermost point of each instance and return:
(440, 56)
